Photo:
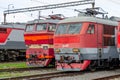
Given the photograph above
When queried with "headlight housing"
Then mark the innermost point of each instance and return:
(57, 50)
(75, 50)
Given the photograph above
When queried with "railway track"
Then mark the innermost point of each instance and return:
(24, 69)
(55, 74)
(13, 62)
(46, 76)
(113, 77)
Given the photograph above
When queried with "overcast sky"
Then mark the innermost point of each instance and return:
(111, 6)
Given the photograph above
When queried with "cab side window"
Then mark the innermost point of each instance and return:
(91, 29)
(41, 27)
(29, 28)
(52, 27)
(3, 30)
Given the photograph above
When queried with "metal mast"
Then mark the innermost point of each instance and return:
(52, 6)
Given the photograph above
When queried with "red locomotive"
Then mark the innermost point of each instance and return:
(85, 42)
(12, 45)
(39, 40)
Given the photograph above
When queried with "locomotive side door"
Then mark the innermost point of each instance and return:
(105, 38)
(99, 35)
(108, 39)
(95, 32)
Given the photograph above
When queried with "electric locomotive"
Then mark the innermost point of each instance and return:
(85, 42)
(39, 41)
(12, 47)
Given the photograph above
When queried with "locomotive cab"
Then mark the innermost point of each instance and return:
(83, 42)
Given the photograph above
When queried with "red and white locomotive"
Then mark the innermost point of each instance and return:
(12, 45)
(85, 42)
(39, 41)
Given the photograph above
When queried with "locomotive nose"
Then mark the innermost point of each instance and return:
(67, 55)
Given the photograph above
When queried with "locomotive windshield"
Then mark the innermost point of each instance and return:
(29, 28)
(74, 28)
(69, 28)
(62, 28)
(41, 27)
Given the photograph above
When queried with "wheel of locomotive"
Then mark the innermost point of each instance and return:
(116, 63)
(92, 66)
(14, 58)
(111, 66)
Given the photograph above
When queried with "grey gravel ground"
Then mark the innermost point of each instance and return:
(90, 76)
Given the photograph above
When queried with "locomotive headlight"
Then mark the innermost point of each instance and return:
(57, 50)
(76, 50)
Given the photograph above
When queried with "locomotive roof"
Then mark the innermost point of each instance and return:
(90, 19)
(15, 25)
(43, 21)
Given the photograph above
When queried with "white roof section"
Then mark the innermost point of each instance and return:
(43, 21)
(89, 19)
(14, 25)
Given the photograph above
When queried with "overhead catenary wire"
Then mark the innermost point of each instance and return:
(48, 4)
(51, 6)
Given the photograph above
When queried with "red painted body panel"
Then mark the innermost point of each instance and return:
(40, 38)
(118, 36)
(81, 40)
(80, 66)
(118, 41)
(4, 36)
(29, 42)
